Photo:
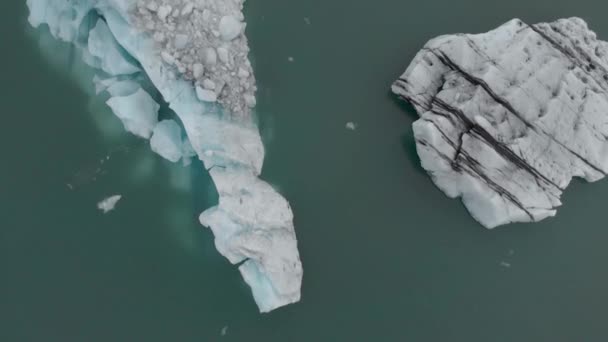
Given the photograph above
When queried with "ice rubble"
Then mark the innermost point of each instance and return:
(182, 45)
(509, 117)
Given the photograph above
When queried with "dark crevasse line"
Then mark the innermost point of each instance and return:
(499, 147)
(478, 82)
(585, 67)
(472, 167)
(404, 96)
(463, 162)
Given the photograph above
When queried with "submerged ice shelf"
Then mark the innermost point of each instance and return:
(509, 117)
(194, 53)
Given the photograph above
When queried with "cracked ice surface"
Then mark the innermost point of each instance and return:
(164, 40)
(509, 117)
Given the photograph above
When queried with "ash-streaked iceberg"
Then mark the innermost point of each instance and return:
(179, 46)
(509, 117)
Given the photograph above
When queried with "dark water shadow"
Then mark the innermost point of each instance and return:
(408, 142)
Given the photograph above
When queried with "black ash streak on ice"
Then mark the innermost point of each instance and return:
(431, 104)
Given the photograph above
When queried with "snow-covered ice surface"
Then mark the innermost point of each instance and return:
(509, 117)
(184, 47)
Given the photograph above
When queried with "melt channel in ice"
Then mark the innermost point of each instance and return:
(195, 55)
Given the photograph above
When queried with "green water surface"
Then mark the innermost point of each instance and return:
(387, 257)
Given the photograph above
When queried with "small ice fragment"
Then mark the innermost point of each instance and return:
(197, 70)
(290, 59)
(222, 53)
(164, 11)
(205, 95)
(224, 330)
(210, 56)
(167, 57)
(123, 88)
(166, 140)
(230, 28)
(181, 41)
(208, 84)
(351, 125)
(505, 264)
(243, 73)
(307, 21)
(108, 204)
(187, 9)
(250, 100)
(152, 6)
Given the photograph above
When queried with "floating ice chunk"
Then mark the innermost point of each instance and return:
(210, 56)
(163, 12)
(206, 95)
(208, 84)
(187, 9)
(138, 112)
(123, 88)
(106, 205)
(103, 46)
(250, 100)
(167, 57)
(223, 54)
(230, 28)
(197, 70)
(187, 152)
(351, 125)
(187, 149)
(181, 41)
(224, 330)
(115, 87)
(167, 141)
(101, 84)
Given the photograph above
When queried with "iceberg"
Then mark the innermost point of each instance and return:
(178, 47)
(509, 117)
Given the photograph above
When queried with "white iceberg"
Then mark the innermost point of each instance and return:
(509, 117)
(252, 223)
